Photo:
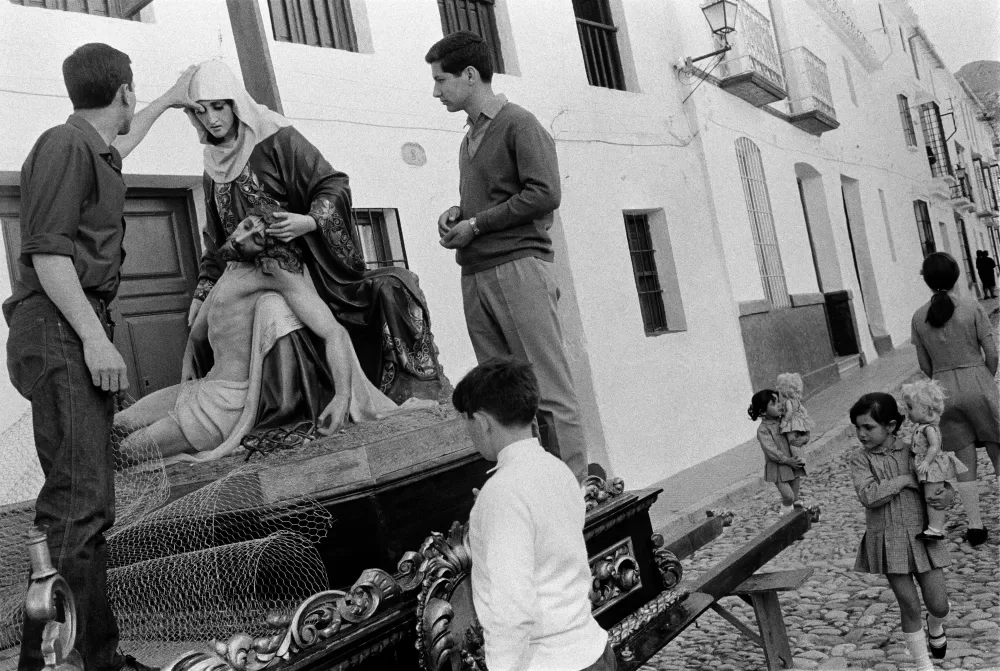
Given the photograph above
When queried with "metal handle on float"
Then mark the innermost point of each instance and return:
(50, 600)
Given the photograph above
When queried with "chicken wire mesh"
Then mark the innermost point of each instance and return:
(205, 565)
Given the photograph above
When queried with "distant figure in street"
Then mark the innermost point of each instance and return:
(509, 188)
(887, 487)
(781, 467)
(956, 347)
(935, 468)
(530, 577)
(795, 422)
(986, 267)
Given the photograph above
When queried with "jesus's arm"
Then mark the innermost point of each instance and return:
(300, 294)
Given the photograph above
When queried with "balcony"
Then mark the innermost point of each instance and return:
(752, 69)
(811, 102)
(961, 195)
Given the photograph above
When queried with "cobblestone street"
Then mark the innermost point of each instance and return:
(841, 619)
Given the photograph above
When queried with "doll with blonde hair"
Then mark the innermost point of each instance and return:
(924, 404)
(795, 421)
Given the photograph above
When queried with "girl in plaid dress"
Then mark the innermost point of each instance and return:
(886, 484)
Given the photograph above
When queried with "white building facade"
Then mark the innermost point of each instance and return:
(682, 248)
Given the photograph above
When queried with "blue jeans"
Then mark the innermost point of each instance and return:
(72, 422)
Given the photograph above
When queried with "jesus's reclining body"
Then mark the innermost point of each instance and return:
(205, 418)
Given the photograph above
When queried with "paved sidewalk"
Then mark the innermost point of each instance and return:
(727, 480)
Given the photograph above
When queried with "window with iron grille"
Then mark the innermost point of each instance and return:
(982, 178)
(381, 238)
(599, 41)
(924, 228)
(765, 238)
(904, 114)
(915, 58)
(115, 9)
(902, 39)
(317, 23)
(647, 279)
(479, 16)
(934, 141)
(990, 185)
(963, 239)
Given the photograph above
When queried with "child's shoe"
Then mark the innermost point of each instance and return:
(930, 534)
(937, 645)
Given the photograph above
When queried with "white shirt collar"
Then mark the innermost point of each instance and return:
(508, 454)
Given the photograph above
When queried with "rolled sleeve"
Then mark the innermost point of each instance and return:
(60, 178)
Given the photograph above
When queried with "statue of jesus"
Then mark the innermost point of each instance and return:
(264, 292)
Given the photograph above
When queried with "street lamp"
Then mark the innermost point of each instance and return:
(721, 17)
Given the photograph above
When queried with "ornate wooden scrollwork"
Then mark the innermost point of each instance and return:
(597, 491)
(448, 633)
(615, 574)
(321, 617)
(667, 563)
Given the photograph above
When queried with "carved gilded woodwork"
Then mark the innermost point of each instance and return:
(667, 563)
(597, 491)
(615, 575)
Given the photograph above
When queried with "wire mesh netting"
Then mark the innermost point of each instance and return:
(181, 570)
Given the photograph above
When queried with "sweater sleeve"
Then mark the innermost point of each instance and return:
(534, 152)
(770, 447)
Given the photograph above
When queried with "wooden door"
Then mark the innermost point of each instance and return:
(158, 277)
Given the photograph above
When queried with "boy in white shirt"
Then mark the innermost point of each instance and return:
(530, 576)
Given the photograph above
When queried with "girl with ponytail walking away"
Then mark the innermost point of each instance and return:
(956, 347)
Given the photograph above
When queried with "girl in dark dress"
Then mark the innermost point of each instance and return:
(255, 157)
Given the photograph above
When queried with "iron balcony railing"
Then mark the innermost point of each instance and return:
(600, 54)
(753, 48)
(812, 86)
(963, 189)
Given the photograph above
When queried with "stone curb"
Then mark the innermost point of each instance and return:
(733, 496)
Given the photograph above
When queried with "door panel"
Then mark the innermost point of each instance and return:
(158, 277)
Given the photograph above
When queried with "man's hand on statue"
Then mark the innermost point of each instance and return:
(106, 366)
(335, 415)
(291, 226)
(177, 95)
(459, 236)
(448, 219)
(193, 311)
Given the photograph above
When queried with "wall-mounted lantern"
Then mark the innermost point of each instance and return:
(721, 17)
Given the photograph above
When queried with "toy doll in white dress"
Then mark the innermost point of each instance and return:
(795, 421)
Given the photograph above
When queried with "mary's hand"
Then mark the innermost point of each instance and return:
(291, 226)
(335, 415)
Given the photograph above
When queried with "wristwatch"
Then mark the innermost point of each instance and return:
(475, 228)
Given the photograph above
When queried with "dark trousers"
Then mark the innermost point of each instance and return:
(511, 310)
(72, 423)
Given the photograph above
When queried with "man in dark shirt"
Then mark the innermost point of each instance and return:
(59, 350)
(509, 189)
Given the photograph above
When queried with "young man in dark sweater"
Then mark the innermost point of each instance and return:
(509, 188)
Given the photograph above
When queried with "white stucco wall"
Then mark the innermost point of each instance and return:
(617, 150)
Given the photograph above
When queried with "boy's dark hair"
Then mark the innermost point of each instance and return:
(505, 388)
(880, 406)
(458, 51)
(759, 403)
(94, 73)
(940, 271)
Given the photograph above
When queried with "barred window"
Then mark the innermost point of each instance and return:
(934, 140)
(115, 9)
(907, 118)
(599, 41)
(924, 228)
(317, 23)
(990, 184)
(647, 279)
(479, 16)
(381, 238)
(963, 239)
(765, 238)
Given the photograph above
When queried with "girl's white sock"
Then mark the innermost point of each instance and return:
(916, 643)
(935, 625)
(969, 491)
